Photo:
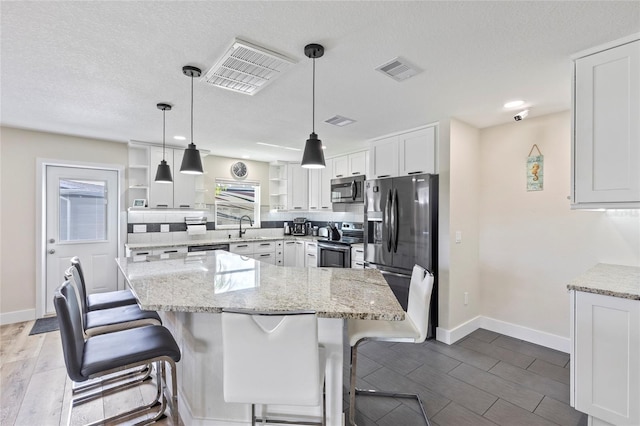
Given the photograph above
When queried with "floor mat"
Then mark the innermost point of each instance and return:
(44, 325)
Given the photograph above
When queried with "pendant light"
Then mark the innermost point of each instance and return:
(163, 175)
(313, 157)
(191, 161)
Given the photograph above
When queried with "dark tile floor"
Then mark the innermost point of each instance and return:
(484, 379)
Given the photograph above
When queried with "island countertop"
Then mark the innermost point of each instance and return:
(609, 280)
(217, 280)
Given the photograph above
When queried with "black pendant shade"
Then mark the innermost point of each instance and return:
(163, 175)
(191, 161)
(313, 157)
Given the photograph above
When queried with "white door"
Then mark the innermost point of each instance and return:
(82, 220)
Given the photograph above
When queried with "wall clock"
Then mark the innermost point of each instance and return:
(239, 170)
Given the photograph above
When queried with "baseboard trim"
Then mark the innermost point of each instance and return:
(530, 335)
(17, 316)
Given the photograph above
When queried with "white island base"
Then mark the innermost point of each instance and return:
(200, 395)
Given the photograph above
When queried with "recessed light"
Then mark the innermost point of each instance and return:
(246, 156)
(324, 147)
(180, 138)
(514, 104)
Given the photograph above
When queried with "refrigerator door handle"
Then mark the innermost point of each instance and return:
(396, 216)
(387, 221)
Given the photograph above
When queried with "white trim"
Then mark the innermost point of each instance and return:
(606, 46)
(451, 336)
(41, 177)
(435, 124)
(516, 331)
(17, 316)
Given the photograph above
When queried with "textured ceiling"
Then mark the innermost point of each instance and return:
(97, 69)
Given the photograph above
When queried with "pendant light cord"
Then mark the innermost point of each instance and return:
(191, 108)
(164, 114)
(313, 97)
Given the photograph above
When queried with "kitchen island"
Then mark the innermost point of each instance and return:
(190, 290)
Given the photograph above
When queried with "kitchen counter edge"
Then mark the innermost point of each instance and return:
(609, 280)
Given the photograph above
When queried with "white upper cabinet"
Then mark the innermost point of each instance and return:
(350, 165)
(297, 187)
(179, 194)
(384, 158)
(184, 185)
(606, 120)
(320, 187)
(417, 152)
(407, 153)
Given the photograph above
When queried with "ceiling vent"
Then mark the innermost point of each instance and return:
(398, 69)
(247, 68)
(340, 121)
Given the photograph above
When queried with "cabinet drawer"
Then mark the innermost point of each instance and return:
(264, 247)
(241, 248)
(311, 260)
(169, 250)
(265, 257)
(357, 254)
(357, 264)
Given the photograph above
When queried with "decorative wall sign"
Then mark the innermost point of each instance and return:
(535, 170)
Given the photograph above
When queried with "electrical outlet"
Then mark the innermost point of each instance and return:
(458, 237)
(466, 298)
(164, 227)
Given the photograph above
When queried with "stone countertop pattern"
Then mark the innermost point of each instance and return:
(218, 279)
(609, 280)
(152, 245)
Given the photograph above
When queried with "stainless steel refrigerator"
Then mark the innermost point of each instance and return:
(401, 216)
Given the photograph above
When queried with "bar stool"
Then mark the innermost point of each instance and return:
(109, 320)
(108, 353)
(97, 301)
(412, 329)
(273, 358)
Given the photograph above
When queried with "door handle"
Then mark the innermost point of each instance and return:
(52, 240)
(387, 219)
(396, 215)
(52, 251)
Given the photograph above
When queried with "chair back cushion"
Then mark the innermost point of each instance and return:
(271, 359)
(420, 290)
(71, 333)
(75, 262)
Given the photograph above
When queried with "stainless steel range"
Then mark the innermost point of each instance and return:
(336, 253)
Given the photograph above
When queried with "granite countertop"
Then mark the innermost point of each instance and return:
(156, 245)
(218, 279)
(609, 280)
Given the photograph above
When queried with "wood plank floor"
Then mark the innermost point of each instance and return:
(485, 379)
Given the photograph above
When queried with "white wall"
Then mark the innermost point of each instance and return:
(18, 154)
(531, 243)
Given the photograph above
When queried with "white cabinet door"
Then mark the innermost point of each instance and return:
(384, 158)
(340, 167)
(417, 152)
(606, 339)
(607, 127)
(289, 253)
(315, 188)
(357, 163)
(311, 254)
(160, 194)
(298, 187)
(325, 186)
(245, 249)
(184, 185)
(300, 254)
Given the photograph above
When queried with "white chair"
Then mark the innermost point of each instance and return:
(412, 329)
(273, 359)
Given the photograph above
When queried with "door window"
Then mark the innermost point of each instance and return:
(82, 208)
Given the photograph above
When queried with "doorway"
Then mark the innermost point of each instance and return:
(80, 209)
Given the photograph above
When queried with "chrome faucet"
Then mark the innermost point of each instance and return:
(250, 223)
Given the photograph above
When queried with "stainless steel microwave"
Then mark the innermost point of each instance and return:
(348, 190)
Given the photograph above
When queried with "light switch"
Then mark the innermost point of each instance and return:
(164, 227)
(458, 237)
(139, 228)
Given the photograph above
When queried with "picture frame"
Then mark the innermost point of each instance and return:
(139, 203)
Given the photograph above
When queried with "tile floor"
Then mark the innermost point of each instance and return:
(485, 379)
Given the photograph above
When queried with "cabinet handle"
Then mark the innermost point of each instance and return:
(184, 206)
(265, 244)
(142, 253)
(242, 245)
(290, 242)
(338, 176)
(170, 251)
(265, 255)
(355, 173)
(325, 207)
(297, 208)
(383, 176)
(298, 242)
(312, 208)
(359, 251)
(162, 205)
(312, 255)
(415, 173)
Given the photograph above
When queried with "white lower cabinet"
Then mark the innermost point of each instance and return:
(262, 251)
(311, 254)
(605, 359)
(357, 257)
(294, 253)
